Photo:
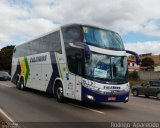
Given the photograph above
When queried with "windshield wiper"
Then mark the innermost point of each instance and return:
(104, 79)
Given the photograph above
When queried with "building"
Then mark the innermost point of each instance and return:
(132, 66)
(132, 63)
(155, 58)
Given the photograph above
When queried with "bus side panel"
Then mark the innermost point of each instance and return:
(46, 72)
(35, 76)
(40, 71)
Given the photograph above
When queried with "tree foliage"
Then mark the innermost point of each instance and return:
(6, 58)
(147, 62)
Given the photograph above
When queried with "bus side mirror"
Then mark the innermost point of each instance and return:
(87, 52)
(136, 56)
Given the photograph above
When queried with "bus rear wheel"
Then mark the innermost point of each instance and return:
(18, 84)
(59, 92)
(21, 84)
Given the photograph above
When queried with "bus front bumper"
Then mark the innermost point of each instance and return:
(92, 96)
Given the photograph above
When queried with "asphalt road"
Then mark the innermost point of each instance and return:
(31, 106)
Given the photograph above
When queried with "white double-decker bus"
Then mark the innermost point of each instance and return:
(81, 62)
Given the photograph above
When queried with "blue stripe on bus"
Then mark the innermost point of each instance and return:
(55, 73)
(18, 71)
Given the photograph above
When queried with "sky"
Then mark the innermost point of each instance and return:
(137, 21)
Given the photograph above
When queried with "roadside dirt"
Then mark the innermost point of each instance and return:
(2, 122)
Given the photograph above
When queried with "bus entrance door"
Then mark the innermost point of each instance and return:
(70, 86)
(78, 88)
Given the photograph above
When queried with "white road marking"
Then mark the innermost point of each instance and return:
(6, 85)
(93, 110)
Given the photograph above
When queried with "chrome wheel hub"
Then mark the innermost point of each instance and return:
(134, 92)
(59, 92)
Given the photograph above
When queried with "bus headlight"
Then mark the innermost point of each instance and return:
(90, 97)
(126, 98)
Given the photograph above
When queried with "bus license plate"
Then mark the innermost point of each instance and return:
(111, 98)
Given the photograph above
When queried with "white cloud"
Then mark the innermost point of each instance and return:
(34, 17)
(122, 15)
(32, 27)
(144, 47)
(16, 22)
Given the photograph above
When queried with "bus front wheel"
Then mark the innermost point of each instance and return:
(59, 92)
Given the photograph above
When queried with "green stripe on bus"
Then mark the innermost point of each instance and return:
(28, 70)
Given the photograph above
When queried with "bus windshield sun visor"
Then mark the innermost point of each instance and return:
(84, 46)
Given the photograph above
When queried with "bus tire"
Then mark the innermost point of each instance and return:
(21, 84)
(58, 91)
(17, 83)
(158, 95)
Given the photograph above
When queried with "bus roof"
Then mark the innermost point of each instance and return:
(89, 25)
(39, 36)
(65, 25)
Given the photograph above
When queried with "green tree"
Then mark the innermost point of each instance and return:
(6, 58)
(147, 62)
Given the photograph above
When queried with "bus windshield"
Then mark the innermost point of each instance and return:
(102, 38)
(106, 68)
(99, 66)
